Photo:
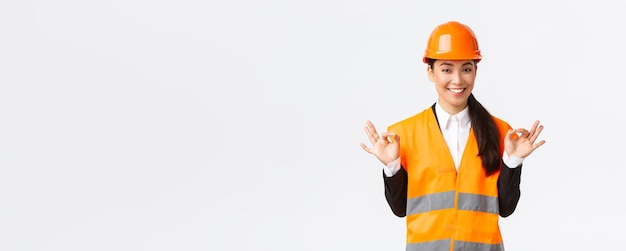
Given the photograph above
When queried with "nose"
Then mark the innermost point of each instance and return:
(456, 78)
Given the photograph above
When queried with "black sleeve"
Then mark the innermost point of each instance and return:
(508, 189)
(395, 192)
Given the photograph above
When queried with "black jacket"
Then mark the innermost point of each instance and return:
(508, 190)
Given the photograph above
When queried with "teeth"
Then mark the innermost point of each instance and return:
(457, 90)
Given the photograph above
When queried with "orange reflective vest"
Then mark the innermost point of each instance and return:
(447, 209)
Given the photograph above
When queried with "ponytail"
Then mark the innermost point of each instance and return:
(486, 134)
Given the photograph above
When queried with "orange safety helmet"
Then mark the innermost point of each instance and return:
(452, 40)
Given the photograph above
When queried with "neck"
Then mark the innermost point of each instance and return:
(452, 109)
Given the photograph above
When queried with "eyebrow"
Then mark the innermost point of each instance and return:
(449, 64)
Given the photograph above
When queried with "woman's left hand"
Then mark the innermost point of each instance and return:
(524, 144)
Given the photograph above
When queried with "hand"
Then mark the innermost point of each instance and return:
(386, 147)
(524, 144)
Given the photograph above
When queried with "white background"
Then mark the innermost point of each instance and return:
(235, 125)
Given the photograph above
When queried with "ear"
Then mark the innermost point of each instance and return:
(430, 72)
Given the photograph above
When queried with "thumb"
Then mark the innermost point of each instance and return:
(391, 137)
(396, 137)
(509, 134)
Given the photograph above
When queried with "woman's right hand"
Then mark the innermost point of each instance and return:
(386, 146)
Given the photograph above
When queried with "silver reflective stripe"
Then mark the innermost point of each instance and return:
(444, 245)
(441, 245)
(474, 246)
(430, 202)
(477, 202)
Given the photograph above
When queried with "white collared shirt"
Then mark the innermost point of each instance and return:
(455, 130)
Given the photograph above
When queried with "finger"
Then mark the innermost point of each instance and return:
(369, 134)
(372, 129)
(367, 149)
(390, 137)
(524, 133)
(533, 128)
(396, 137)
(385, 136)
(509, 134)
(538, 144)
(536, 134)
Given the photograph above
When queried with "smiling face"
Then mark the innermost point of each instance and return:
(454, 82)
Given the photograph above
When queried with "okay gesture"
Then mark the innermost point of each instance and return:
(524, 144)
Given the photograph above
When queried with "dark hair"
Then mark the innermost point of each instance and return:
(485, 131)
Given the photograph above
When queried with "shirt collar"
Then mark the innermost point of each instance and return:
(444, 117)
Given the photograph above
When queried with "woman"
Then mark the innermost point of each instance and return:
(452, 169)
